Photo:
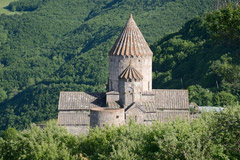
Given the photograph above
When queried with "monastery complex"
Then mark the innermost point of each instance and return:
(130, 94)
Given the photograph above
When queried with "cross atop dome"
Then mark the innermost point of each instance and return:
(130, 16)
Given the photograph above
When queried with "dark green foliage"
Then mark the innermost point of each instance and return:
(224, 25)
(192, 59)
(3, 95)
(224, 98)
(3, 36)
(25, 5)
(200, 95)
(123, 142)
(51, 143)
(212, 136)
(227, 131)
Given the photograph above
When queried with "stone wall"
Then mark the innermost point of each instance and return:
(112, 96)
(135, 114)
(106, 116)
(130, 92)
(141, 64)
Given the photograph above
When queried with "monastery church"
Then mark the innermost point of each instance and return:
(130, 94)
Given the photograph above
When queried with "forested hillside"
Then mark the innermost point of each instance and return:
(203, 57)
(57, 45)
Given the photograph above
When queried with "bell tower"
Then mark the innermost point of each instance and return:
(130, 46)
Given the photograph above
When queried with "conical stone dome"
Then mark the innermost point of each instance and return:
(130, 47)
(130, 73)
(131, 42)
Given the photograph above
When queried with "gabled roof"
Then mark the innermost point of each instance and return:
(73, 118)
(130, 73)
(148, 107)
(80, 100)
(166, 115)
(171, 99)
(134, 106)
(131, 42)
(151, 117)
(113, 105)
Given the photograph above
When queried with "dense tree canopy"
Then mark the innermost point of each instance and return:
(211, 136)
(202, 58)
(224, 25)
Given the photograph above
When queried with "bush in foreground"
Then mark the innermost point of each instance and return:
(212, 136)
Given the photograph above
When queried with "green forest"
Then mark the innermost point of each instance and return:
(203, 57)
(211, 136)
(63, 45)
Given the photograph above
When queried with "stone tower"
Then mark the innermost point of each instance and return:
(130, 46)
(130, 86)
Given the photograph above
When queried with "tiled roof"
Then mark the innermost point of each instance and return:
(133, 106)
(80, 100)
(131, 42)
(113, 105)
(148, 107)
(164, 116)
(151, 117)
(73, 118)
(112, 92)
(130, 73)
(171, 99)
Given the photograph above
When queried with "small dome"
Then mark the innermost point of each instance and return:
(130, 73)
(131, 42)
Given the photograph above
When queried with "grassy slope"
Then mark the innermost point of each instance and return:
(3, 4)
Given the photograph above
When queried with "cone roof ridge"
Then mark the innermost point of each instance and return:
(131, 41)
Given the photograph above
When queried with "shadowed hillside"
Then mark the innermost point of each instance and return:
(203, 57)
